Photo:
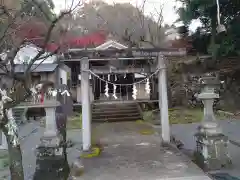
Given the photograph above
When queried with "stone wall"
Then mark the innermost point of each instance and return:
(184, 89)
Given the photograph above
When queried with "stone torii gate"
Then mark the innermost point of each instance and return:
(158, 53)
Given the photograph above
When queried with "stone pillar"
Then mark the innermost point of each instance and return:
(212, 145)
(4, 157)
(3, 145)
(163, 99)
(86, 106)
(51, 135)
(51, 152)
(209, 123)
(51, 126)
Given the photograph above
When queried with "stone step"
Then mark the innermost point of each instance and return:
(103, 115)
(112, 111)
(17, 114)
(117, 119)
(114, 107)
(115, 112)
(18, 111)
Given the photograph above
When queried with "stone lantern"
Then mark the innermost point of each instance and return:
(51, 154)
(209, 124)
(212, 144)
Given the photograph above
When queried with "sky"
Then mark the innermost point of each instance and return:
(151, 6)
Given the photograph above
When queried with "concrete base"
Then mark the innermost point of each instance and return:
(51, 160)
(210, 128)
(50, 146)
(51, 168)
(212, 151)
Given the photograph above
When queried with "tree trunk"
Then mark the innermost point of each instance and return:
(15, 158)
(213, 37)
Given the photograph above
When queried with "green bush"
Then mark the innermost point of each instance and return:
(75, 122)
(148, 116)
(178, 116)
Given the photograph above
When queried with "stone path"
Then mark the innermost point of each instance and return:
(128, 155)
(230, 128)
(131, 155)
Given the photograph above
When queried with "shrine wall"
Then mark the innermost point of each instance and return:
(73, 91)
(48, 76)
(64, 73)
(141, 94)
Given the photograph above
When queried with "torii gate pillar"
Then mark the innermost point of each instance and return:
(163, 99)
(86, 106)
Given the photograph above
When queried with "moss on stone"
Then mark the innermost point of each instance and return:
(94, 152)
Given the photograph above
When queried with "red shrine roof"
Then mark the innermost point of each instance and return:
(89, 40)
(35, 31)
(94, 39)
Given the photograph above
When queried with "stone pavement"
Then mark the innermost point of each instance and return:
(129, 155)
(230, 128)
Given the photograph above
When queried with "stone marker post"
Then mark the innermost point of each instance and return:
(51, 136)
(3, 152)
(3, 141)
(51, 153)
(163, 99)
(51, 126)
(212, 144)
(86, 105)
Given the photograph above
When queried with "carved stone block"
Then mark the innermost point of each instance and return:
(213, 150)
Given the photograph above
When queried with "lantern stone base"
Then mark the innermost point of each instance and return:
(51, 159)
(210, 128)
(212, 151)
(53, 167)
(50, 146)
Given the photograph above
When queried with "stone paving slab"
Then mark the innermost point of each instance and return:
(128, 155)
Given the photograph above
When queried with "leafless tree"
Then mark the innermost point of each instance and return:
(126, 23)
(11, 41)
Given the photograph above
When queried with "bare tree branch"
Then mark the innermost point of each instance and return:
(44, 58)
(48, 35)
